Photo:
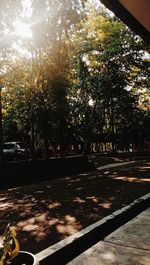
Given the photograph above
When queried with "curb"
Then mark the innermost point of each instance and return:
(66, 250)
(116, 165)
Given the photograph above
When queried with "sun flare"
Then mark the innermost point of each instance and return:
(22, 30)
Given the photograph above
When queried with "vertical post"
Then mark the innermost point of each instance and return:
(113, 125)
(1, 132)
(1, 128)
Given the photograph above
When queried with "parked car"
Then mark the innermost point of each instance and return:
(14, 150)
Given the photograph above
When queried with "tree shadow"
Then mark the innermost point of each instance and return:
(47, 212)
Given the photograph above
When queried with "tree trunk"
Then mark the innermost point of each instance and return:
(1, 130)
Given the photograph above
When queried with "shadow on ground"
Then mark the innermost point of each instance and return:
(47, 212)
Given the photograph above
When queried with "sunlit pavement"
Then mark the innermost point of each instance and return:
(128, 245)
(45, 213)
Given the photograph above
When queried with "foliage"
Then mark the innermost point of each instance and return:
(10, 246)
(83, 78)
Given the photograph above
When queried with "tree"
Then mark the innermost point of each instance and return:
(108, 52)
(77, 79)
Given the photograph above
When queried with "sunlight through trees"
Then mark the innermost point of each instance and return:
(56, 58)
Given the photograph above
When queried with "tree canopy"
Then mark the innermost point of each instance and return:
(74, 77)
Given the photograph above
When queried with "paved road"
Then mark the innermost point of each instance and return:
(47, 212)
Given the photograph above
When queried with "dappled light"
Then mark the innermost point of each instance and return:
(79, 200)
(72, 83)
(50, 211)
(109, 256)
(106, 172)
(68, 226)
(54, 205)
(93, 198)
(106, 205)
(145, 167)
(133, 179)
(4, 206)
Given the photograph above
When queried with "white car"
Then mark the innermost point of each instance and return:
(14, 150)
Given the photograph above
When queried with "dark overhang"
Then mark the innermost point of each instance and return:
(134, 13)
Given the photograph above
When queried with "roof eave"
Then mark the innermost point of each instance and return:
(121, 12)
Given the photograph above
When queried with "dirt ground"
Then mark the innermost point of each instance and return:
(47, 212)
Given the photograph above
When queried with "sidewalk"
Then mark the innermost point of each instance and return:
(128, 245)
